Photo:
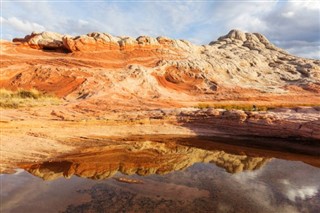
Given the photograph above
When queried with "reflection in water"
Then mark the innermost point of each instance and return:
(151, 176)
(142, 158)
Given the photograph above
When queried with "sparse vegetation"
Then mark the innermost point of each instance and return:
(244, 107)
(203, 106)
(25, 98)
(249, 107)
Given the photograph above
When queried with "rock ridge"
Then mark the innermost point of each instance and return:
(97, 41)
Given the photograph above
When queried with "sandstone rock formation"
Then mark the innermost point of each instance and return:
(300, 122)
(238, 66)
(44, 40)
(105, 77)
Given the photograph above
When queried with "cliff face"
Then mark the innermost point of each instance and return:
(100, 68)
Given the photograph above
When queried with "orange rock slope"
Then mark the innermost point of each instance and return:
(123, 71)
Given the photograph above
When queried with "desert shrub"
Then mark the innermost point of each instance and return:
(25, 98)
(203, 106)
(249, 107)
(33, 93)
(12, 105)
(225, 106)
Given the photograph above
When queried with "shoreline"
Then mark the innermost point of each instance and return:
(36, 140)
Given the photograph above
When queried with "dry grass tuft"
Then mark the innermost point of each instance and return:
(25, 98)
(249, 107)
(244, 107)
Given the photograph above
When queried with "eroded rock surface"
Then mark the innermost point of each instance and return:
(238, 66)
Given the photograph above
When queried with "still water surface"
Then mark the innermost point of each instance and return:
(157, 177)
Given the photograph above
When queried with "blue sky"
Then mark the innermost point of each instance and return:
(292, 25)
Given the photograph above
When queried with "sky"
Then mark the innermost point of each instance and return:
(291, 25)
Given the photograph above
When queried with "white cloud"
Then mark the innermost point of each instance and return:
(294, 22)
(180, 16)
(288, 14)
(248, 22)
(247, 17)
(302, 48)
(309, 5)
(278, 180)
(83, 22)
(301, 193)
(306, 51)
(23, 26)
(295, 191)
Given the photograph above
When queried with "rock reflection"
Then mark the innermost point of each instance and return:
(200, 178)
(141, 158)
